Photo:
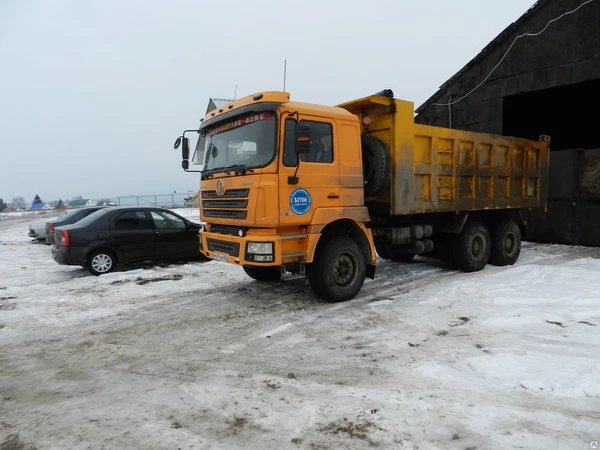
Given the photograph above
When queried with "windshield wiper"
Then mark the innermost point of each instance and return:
(240, 169)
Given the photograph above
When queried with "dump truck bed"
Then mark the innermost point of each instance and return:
(440, 169)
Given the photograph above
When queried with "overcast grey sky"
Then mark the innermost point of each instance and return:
(93, 93)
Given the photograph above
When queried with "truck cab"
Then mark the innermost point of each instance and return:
(280, 180)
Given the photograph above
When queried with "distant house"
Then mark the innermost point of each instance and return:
(40, 207)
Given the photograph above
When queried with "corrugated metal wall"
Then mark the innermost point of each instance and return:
(573, 200)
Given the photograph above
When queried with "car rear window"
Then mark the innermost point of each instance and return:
(64, 215)
(92, 217)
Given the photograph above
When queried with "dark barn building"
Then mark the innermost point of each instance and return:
(545, 82)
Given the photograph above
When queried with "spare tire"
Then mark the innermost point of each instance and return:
(377, 164)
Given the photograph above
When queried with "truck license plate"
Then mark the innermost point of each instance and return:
(220, 257)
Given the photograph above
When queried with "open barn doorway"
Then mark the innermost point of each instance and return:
(569, 114)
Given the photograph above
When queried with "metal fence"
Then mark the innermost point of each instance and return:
(174, 200)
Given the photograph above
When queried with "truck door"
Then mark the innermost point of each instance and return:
(318, 172)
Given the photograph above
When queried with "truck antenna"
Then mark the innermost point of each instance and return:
(235, 93)
(284, 72)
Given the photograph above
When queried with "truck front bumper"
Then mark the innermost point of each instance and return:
(254, 249)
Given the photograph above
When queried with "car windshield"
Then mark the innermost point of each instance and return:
(243, 142)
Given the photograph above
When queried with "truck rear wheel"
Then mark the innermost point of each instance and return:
(339, 270)
(506, 244)
(263, 273)
(377, 164)
(472, 247)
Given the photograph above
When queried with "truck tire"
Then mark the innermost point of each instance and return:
(263, 273)
(472, 247)
(100, 262)
(506, 244)
(377, 164)
(339, 270)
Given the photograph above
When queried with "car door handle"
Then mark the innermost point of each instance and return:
(333, 196)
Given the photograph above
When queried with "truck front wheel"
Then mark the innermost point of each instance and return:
(339, 270)
(472, 247)
(263, 273)
(506, 244)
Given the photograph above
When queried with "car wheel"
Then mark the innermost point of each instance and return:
(100, 262)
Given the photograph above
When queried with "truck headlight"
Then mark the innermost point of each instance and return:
(259, 251)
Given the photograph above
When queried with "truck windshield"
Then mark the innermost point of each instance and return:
(243, 142)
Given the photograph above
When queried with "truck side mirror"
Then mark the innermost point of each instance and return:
(185, 148)
(301, 139)
(185, 164)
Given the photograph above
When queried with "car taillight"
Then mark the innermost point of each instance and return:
(51, 228)
(64, 240)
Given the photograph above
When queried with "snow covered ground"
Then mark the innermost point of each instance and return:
(200, 356)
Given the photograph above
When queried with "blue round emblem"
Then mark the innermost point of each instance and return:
(300, 201)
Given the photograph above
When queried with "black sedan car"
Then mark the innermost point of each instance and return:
(68, 217)
(126, 234)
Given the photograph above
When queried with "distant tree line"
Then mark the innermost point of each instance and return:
(20, 203)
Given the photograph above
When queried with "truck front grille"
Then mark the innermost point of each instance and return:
(224, 203)
(223, 214)
(231, 193)
(223, 207)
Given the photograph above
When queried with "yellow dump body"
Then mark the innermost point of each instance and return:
(440, 170)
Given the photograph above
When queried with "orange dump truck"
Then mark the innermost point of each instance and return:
(297, 189)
